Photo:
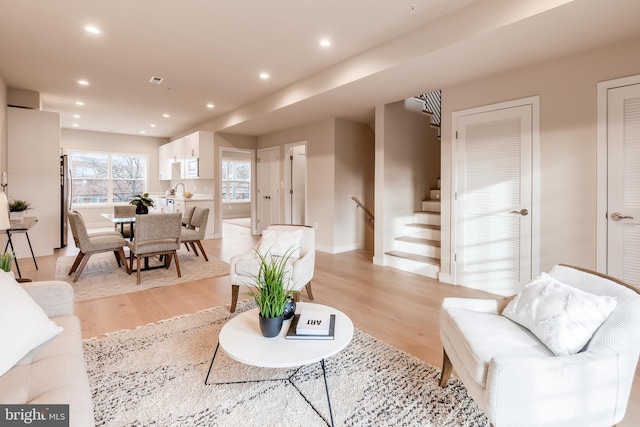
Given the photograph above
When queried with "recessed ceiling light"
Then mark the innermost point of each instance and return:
(152, 125)
(264, 76)
(83, 82)
(79, 103)
(76, 116)
(166, 116)
(75, 125)
(92, 30)
(142, 131)
(325, 42)
(210, 105)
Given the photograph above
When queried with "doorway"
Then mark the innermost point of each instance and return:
(494, 196)
(236, 187)
(619, 179)
(295, 183)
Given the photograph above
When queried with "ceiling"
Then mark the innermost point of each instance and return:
(212, 51)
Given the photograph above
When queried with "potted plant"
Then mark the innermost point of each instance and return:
(5, 261)
(271, 292)
(17, 208)
(142, 203)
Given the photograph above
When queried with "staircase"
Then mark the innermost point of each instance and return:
(418, 249)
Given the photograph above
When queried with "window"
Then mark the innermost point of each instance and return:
(236, 180)
(107, 178)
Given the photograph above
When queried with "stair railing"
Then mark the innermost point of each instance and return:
(368, 213)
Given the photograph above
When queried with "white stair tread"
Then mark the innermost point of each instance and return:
(414, 257)
(420, 225)
(419, 241)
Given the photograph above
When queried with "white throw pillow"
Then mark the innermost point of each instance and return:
(23, 324)
(564, 318)
(279, 243)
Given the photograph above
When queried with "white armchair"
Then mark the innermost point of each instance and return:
(518, 381)
(277, 240)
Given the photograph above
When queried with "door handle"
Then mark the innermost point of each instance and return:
(266, 197)
(522, 212)
(617, 216)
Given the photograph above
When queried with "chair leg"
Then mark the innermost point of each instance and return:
(131, 257)
(193, 246)
(76, 263)
(175, 255)
(83, 263)
(186, 245)
(446, 369)
(234, 297)
(204, 254)
(122, 259)
(138, 269)
(308, 286)
(115, 253)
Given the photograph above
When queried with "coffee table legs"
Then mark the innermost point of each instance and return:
(326, 387)
(324, 375)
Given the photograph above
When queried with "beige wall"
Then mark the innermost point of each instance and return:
(320, 137)
(3, 125)
(354, 172)
(72, 139)
(567, 90)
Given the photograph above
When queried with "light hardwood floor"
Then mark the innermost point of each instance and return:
(396, 307)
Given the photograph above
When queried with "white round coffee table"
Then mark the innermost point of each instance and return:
(240, 338)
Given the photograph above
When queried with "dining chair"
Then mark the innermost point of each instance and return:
(93, 243)
(297, 242)
(194, 233)
(156, 234)
(186, 218)
(124, 211)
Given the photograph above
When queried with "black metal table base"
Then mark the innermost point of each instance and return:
(288, 379)
(15, 259)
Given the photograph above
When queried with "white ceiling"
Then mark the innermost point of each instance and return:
(213, 50)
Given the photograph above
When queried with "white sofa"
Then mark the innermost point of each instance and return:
(519, 381)
(54, 372)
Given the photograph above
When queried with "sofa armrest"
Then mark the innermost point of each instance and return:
(54, 296)
(491, 306)
(543, 390)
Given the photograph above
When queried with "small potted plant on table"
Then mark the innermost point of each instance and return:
(271, 292)
(142, 202)
(17, 209)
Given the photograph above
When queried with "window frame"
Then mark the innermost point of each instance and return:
(109, 178)
(232, 181)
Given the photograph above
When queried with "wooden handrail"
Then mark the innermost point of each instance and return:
(364, 208)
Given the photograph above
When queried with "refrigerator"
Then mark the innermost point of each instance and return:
(65, 199)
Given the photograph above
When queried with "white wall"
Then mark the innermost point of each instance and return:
(3, 125)
(567, 90)
(72, 139)
(320, 137)
(354, 172)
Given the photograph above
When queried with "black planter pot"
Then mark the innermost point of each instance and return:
(289, 308)
(141, 209)
(270, 326)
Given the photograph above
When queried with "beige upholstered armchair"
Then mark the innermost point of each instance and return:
(93, 243)
(156, 234)
(194, 232)
(277, 240)
(572, 364)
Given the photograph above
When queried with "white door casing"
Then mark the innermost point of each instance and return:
(268, 187)
(495, 232)
(623, 182)
(295, 183)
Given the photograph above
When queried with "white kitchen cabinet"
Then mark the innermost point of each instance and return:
(198, 155)
(170, 160)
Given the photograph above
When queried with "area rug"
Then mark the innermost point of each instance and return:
(154, 376)
(102, 277)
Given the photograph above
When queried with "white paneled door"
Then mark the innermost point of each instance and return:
(623, 192)
(268, 187)
(493, 199)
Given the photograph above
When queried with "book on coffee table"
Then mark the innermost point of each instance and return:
(293, 334)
